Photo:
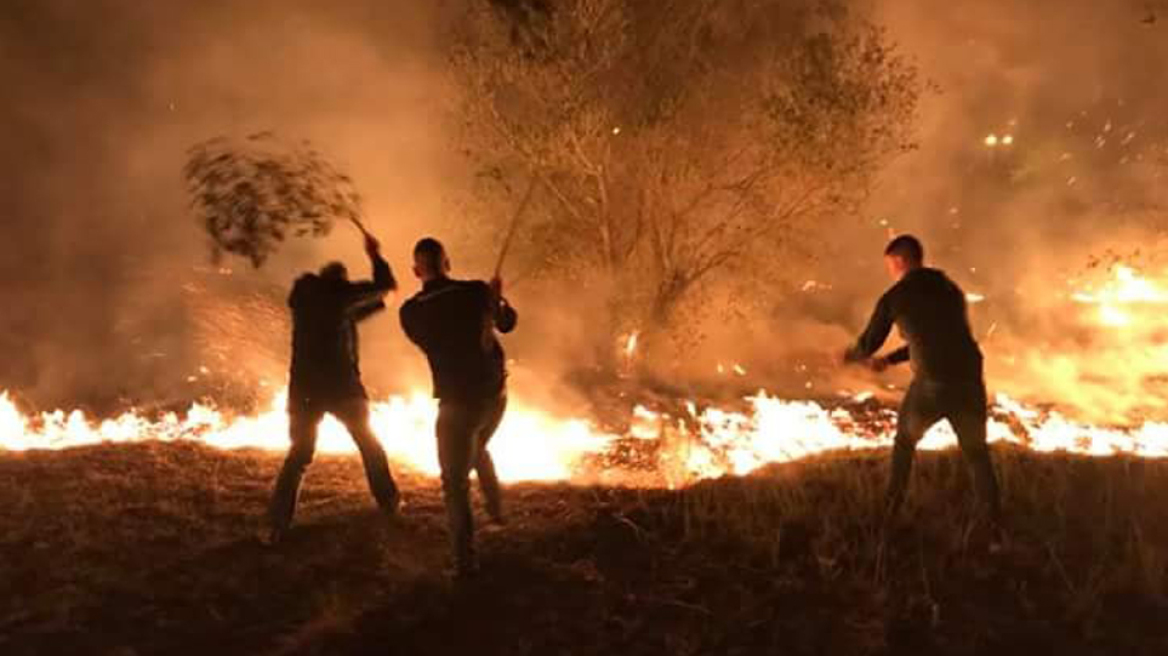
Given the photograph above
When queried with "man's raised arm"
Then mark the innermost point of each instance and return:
(369, 292)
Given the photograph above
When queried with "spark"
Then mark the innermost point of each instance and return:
(631, 343)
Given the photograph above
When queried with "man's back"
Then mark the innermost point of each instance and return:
(325, 352)
(930, 311)
(453, 321)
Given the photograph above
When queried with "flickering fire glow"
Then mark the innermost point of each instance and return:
(530, 445)
(1117, 298)
(534, 445)
(537, 444)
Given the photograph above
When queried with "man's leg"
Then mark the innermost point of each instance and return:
(484, 464)
(302, 424)
(354, 414)
(918, 413)
(968, 417)
(456, 432)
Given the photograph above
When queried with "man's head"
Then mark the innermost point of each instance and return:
(430, 260)
(902, 255)
(334, 271)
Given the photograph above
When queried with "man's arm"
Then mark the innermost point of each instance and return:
(371, 291)
(874, 336)
(411, 323)
(363, 312)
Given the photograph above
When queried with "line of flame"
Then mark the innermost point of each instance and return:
(533, 445)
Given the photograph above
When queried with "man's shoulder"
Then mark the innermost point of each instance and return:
(472, 285)
(410, 303)
(917, 277)
(926, 282)
(940, 278)
(452, 287)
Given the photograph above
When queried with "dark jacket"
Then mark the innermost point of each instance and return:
(324, 334)
(454, 323)
(930, 311)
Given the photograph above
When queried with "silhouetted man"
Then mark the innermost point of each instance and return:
(930, 311)
(454, 323)
(326, 378)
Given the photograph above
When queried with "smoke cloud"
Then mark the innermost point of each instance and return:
(1041, 161)
(111, 298)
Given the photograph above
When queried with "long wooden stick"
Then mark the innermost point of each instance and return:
(360, 226)
(514, 224)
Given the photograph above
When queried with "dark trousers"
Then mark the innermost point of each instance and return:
(964, 405)
(465, 426)
(303, 421)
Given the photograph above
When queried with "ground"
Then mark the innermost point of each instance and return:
(151, 549)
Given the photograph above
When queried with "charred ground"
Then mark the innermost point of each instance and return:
(151, 549)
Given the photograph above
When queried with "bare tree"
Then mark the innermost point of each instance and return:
(675, 140)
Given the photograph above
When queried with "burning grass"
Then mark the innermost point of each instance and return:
(149, 548)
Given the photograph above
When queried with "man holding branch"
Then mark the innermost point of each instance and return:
(454, 322)
(326, 378)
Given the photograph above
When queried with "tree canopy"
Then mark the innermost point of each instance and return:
(675, 141)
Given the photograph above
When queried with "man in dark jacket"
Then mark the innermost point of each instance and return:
(930, 311)
(326, 378)
(454, 323)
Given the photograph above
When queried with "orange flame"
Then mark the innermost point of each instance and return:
(1116, 299)
(533, 445)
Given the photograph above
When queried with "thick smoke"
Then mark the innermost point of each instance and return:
(111, 298)
(110, 294)
(1079, 89)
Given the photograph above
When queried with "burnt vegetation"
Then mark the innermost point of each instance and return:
(149, 549)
